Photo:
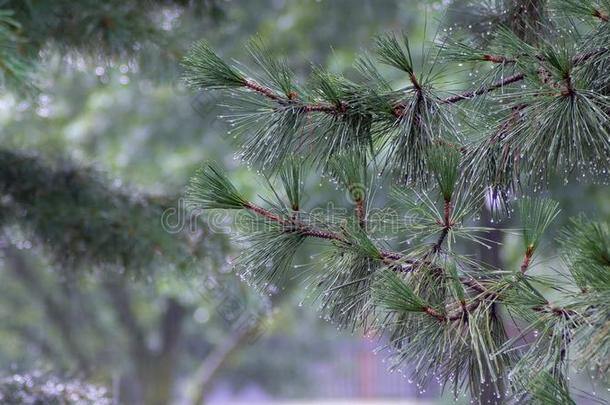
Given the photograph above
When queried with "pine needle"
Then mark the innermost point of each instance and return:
(393, 294)
(536, 215)
(204, 69)
(209, 188)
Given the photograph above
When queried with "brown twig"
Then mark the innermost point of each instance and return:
(294, 225)
(361, 212)
(497, 59)
(517, 77)
(399, 262)
(602, 16)
(447, 225)
(397, 111)
(525, 264)
(265, 91)
(434, 313)
(416, 85)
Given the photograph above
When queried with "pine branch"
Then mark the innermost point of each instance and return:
(515, 78)
(467, 95)
(252, 85)
(207, 70)
(394, 260)
(446, 225)
(537, 215)
(434, 299)
(276, 70)
(294, 225)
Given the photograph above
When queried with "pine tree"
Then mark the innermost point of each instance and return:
(87, 29)
(538, 112)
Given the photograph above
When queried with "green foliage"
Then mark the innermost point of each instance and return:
(344, 288)
(587, 253)
(545, 390)
(529, 19)
(539, 110)
(45, 389)
(536, 215)
(412, 134)
(211, 189)
(329, 87)
(460, 351)
(390, 292)
(83, 217)
(87, 29)
(359, 241)
(350, 171)
(547, 353)
(276, 71)
(422, 216)
(591, 341)
(391, 52)
(570, 130)
(584, 8)
(16, 70)
(269, 249)
(443, 161)
(343, 116)
(205, 69)
(292, 177)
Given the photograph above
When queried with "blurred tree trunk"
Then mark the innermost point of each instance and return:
(155, 369)
(154, 378)
(202, 379)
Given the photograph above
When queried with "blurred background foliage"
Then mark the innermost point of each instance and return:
(98, 137)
